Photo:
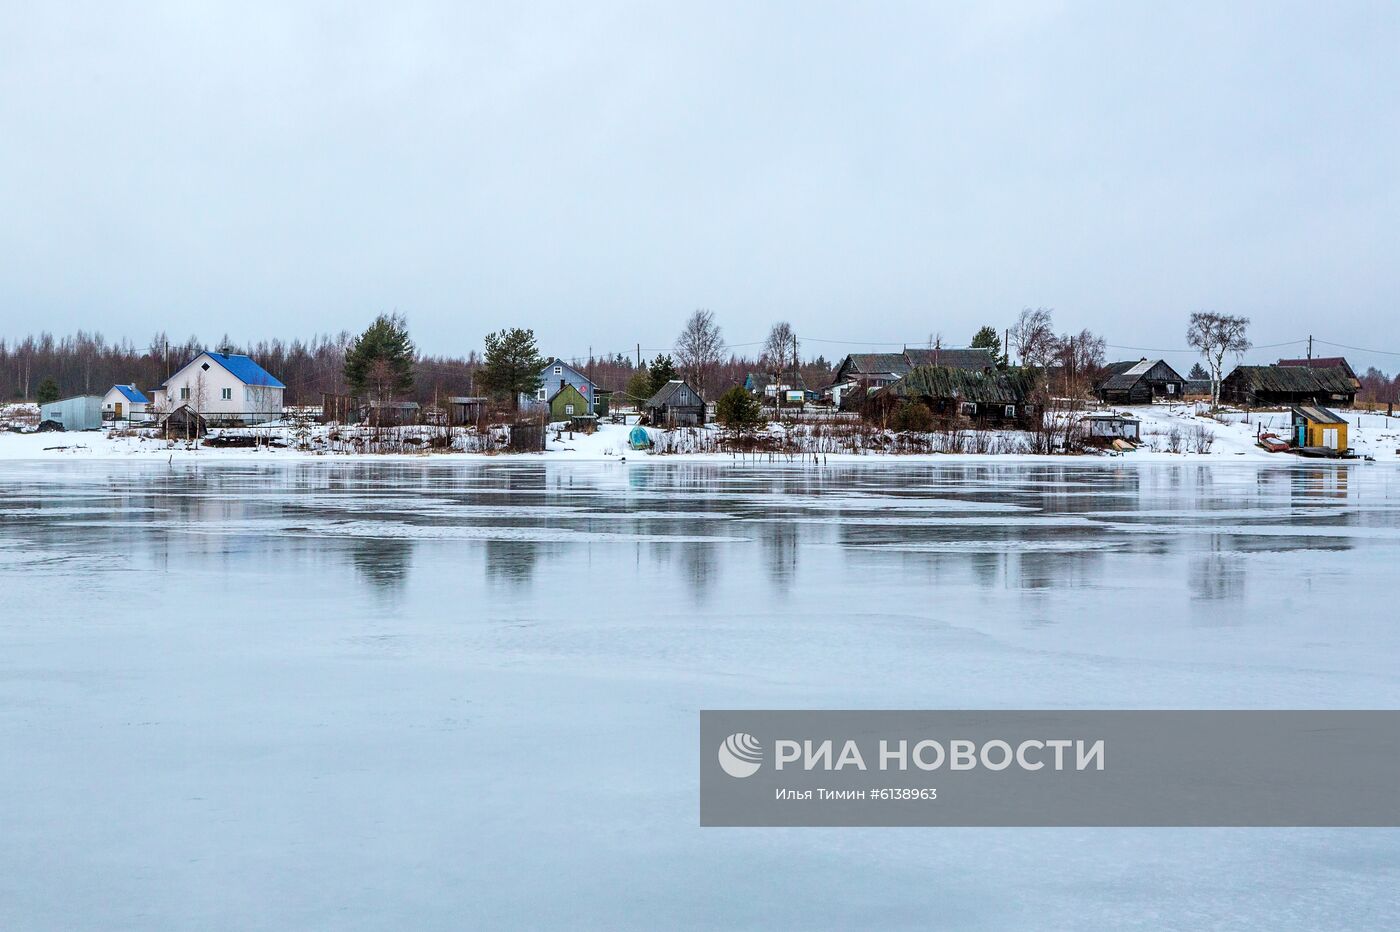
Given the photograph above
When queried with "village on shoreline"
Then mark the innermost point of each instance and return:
(1060, 399)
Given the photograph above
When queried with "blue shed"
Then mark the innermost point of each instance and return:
(81, 412)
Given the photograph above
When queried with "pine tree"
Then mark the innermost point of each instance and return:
(379, 363)
(1198, 373)
(512, 366)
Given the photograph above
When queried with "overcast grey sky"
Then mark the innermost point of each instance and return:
(873, 172)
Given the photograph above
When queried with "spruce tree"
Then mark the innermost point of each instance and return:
(663, 370)
(738, 410)
(47, 391)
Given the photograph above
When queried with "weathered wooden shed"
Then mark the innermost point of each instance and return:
(676, 405)
(390, 413)
(1107, 426)
(1316, 426)
(465, 409)
(182, 423)
(526, 437)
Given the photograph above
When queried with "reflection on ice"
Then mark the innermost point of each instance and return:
(479, 675)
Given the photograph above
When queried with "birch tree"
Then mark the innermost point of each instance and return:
(700, 347)
(1215, 335)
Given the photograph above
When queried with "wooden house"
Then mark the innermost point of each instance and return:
(1288, 385)
(1323, 362)
(875, 370)
(986, 398)
(676, 405)
(1139, 382)
(554, 375)
(566, 403)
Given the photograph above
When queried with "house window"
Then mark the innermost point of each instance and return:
(558, 370)
(568, 409)
(226, 394)
(969, 407)
(185, 393)
(1171, 388)
(1010, 410)
(540, 394)
(205, 367)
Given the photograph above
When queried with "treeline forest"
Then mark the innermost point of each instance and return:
(86, 363)
(45, 366)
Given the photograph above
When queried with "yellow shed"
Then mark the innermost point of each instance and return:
(1315, 426)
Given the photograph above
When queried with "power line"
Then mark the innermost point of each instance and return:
(1359, 349)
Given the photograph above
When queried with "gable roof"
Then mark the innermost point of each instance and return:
(876, 363)
(1321, 362)
(975, 359)
(567, 388)
(1292, 379)
(130, 393)
(1124, 375)
(945, 382)
(242, 367)
(1318, 414)
(898, 364)
(556, 361)
(663, 397)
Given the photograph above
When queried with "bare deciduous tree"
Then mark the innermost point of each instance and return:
(1080, 357)
(1216, 334)
(1033, 336)
(780, 349)
(700, 347)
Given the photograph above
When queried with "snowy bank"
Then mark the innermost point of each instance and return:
(1231, 435)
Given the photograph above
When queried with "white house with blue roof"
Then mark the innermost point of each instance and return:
(227, 387)
(125, 403)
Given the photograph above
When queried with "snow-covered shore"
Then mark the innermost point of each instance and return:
(1232, 436)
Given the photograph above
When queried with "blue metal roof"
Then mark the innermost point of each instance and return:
(132, 395)
(247, 371)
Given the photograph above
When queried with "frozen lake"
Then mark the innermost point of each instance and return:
(448, 695)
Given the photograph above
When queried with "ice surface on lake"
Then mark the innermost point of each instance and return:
(449, 695)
